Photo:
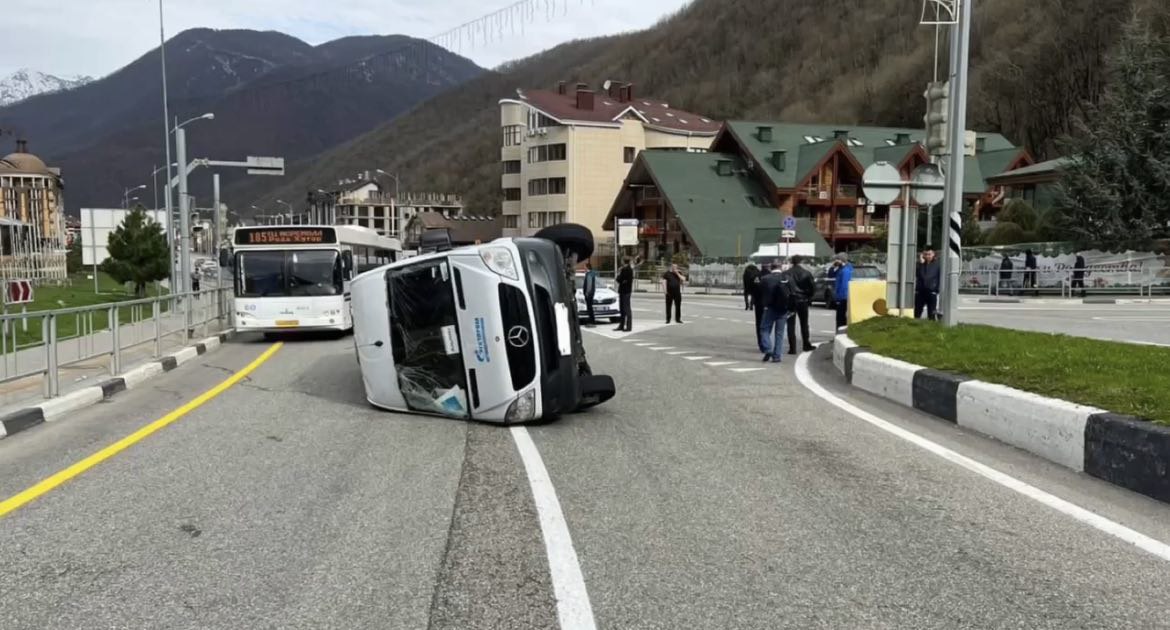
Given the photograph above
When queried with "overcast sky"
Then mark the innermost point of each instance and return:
(96, 37)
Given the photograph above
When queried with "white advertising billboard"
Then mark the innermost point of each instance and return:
(96, 226)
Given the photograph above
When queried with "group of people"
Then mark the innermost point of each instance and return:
(780, 297)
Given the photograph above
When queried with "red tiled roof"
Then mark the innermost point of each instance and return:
(606, 108)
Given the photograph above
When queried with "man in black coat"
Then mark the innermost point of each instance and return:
(801, 286)
(750, 273)
(625, 282)
(758, 301)
(926, 284)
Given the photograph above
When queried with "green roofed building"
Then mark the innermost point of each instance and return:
(814, 172)
(703, 204)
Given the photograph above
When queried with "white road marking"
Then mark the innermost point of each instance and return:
(680, 352)
(573, 609)
(696, 358)
(1115, 318)
(662, 348)
(742, 370)
(1113, 528)
(643, 344)
(720, 363)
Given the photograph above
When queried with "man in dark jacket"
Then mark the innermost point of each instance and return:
(758, 301)
(625, 282)
(926, 284)
(589, 289)
(1029, 269)
(750, 274)
(802, 287)
(1078, 275)
(775, 294)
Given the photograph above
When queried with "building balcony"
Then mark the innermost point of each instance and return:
(510, 180)
(824, 194)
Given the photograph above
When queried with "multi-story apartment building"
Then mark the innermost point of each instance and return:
(32, 227)
(565, 152)
(363, 202)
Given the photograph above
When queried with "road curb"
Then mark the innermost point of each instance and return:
(1123, 450)
(64, 406)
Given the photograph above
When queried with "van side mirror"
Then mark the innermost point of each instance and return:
(225, 258)
(347, 263)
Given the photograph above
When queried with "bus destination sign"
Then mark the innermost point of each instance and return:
(285, 235)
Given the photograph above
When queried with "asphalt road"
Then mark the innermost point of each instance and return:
(713, 492)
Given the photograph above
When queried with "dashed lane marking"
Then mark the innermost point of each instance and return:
(680, 352)
(742, 370)
(662, 348)
(699, 358)
(720, 363)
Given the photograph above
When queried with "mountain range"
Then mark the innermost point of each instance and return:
(1033, 66)
(272, 95)
(25, 83)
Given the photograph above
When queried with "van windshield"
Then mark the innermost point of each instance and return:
(424, 338)
(275, 273)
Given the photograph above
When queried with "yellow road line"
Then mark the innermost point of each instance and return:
(49, 483)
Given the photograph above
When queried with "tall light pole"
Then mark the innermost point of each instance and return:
(126, 195)
(288, 206)
(184, 238)
(162, 53)
(953, 263)
(395, 208)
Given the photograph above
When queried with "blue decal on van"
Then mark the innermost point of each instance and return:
(481, 346)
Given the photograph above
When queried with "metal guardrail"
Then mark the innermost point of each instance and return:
(994, 282)
(102, 330)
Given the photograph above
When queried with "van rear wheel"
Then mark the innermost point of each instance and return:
(571, 238)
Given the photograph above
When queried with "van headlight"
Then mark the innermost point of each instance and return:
(500, 260)
(523, 408)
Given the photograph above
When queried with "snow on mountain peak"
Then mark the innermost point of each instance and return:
(26, 82)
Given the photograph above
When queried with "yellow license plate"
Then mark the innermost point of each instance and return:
(287, 323)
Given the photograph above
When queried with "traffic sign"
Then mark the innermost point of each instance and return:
(787, 233)
(18, 292)
(265, 165)
(627, 232)
(882, 183)
(790, 224)
(927, 184)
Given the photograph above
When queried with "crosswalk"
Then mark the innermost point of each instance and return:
(737, 367)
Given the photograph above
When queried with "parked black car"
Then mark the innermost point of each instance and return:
(824, 284)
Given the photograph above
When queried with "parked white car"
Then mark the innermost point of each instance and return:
(605, 300)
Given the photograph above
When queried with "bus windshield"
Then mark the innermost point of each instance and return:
(290, 273)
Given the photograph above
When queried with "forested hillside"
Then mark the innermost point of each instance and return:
(854, 61)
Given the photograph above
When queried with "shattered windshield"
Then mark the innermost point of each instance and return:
(424, 338)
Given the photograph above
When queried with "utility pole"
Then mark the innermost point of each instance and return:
(215, 244)
(184, 236)
(162, 53)
(953, 262)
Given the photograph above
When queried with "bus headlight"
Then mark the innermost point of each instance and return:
(499, 260)
(523, 408)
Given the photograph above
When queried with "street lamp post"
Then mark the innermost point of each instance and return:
(184, 212)
(288, 206)
(126, 195)
(162, 53)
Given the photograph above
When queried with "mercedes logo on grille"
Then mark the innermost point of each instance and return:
(518, 336)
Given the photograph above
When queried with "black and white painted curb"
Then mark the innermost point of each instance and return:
(1123, 450)
(61, 407)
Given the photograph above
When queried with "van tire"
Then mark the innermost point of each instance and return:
(570, 237)
(595, 389)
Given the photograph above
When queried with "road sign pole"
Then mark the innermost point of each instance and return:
(953, 262)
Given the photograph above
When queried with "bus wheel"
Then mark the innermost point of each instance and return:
(571, 238)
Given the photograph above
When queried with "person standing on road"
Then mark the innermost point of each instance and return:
(590, 290)
(672, 283)
(625, 282)
(1005, 272)
(926, 285)
(842, 273)
(195, 282)
(750, 274)
(802, 287)
(758, 301)
(1078, 276)
(775, 293)
(1029, 269)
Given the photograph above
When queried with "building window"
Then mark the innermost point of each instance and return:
(511, 194)
(537, 187)
(546, 153)
(512, 135)
(537, 119)
(628, 154)
(556, 185)
(511, 167)
(544, 219)
(511, 221)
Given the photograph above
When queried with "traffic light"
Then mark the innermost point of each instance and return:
(937, 116)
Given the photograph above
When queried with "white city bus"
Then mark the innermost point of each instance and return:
(296, 277)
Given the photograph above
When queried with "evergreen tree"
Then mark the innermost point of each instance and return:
(138, 251)
(1116, 188)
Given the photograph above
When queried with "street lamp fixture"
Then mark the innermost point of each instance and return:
(207, 116)
(126, 194)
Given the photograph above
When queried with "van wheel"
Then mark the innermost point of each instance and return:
(595, 389)
(572, 238)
